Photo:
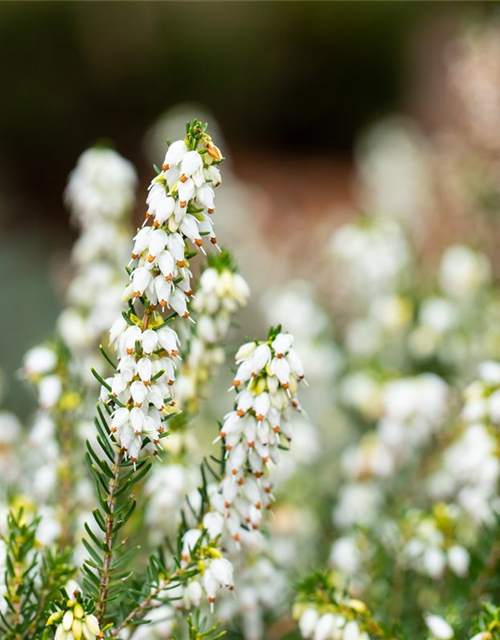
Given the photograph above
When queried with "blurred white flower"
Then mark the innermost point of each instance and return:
(463, 271)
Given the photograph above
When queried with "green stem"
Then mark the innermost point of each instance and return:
(108, 539)
(141, 609)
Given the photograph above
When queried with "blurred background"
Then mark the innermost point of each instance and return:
(292, 87)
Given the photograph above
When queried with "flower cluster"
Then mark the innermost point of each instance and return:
(433, 545)
(73, 623)
(235, 504)
(469, 469)
(330, 626)
(102, 186)
(42, 366)
(324, 614)
(180, 202)
(266, 383)
(372, 257)
(101, 196)
(220, 293)
(141, 384)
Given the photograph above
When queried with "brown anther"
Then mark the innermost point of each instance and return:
(183, 204)
(186, 315)
(130, 351)
(189, 293)
(156, 224)
(133, 459)
(279, 355)
(236, 537)
(286, 385)
(153, 306)
(198, 242)
(112, 429)
(134, 255)
(235, 471)
(267, 489)
(265, 459)
(258, 474)
(260, 417)
(148, 215)
(137, 294)
(228, 447)
(227, 504)
(251, 444)
(165, 167)
(161, 430)
(213, 240)
(240, 412)
(276, 429)
(183, 178)
(231, 587)
(169, 278)
(268, 506)
(295, 404)
(258, 505)
(137, 433)
(247, 520)
(222, 434)
(163, 303)
(211, 600)
(170, 383)
(138, 405)
(146, 383)
(236, 383)
(241, 482)
(180, 263)
(210, 211)
(175, 352)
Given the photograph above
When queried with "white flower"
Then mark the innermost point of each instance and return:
(307, 622)
(439, 628)
(101, 186)
(49, 390)
(39, 361)
(463, 271)
(459, 560)
(325, 626)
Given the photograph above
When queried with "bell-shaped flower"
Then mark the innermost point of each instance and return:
(186, 192)
(260, 358)
(282, 343)
(141, 241)
(205, 196)
(140, 280)
(213, 522)
(281, 369)
(166, 262)
(149, 341)
(191, 162)
(175, 153)
(157, 243)
(138, 392)
(243, 373)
